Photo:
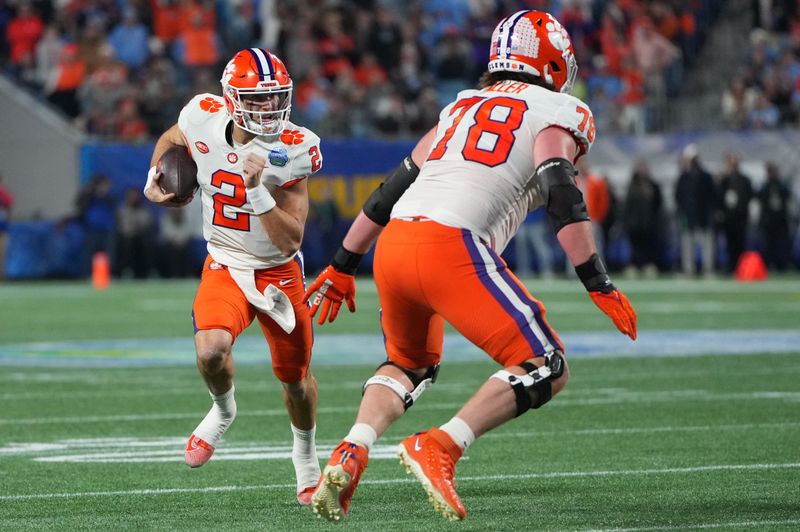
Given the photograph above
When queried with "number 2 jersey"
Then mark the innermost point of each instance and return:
(235, 235)
(478, 174)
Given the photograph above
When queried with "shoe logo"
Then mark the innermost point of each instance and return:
(417, 446)
(284, 282)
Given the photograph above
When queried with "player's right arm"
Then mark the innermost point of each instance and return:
(337, 281)
(152, 191)
(554, 151)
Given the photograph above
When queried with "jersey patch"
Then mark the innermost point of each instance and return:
(278, 156)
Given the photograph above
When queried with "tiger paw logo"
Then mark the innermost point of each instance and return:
(210, 105)
(291, 136)
(558, 35)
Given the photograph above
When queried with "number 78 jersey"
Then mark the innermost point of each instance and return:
(478, 174)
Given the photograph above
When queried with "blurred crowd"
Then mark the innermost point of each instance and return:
(123, 68)
(701, 226)
(765, 93)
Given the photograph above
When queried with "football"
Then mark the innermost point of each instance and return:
(179, 173)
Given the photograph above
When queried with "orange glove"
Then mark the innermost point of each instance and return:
(332, 287)
(617, 307)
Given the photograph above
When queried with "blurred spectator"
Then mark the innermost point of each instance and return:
(175, 236)
(96, 209)
(102, 93)
(641, 218)
(335, 48)
(632, 99)
(167, 19)
(454, 68)
(764, 115)
(325, 214)
(22, 34)
(385, 38)
(198, 46)
(61, 87)
(158, 93)
(129, 40)
(598, 201)
(534, 233)
(130, 126)
(735, 193)
(48, 54)
(774, 200)
(695, 199)
(738, 101)
(6, 202)
(134, 223)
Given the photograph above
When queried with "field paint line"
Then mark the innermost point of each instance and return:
(476, 478)
(642, 430)
(175, 444)
(283, 452)
(702, 526)
(351, 349)
(656, 397)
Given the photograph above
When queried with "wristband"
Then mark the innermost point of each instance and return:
(346, 261)
(150, 175)
(594, 276)
(260, 199)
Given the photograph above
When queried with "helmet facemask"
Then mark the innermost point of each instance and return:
(250, 109)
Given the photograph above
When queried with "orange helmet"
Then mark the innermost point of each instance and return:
(534, 42)
(255, 76)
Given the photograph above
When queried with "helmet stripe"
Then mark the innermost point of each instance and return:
(510, 23)
(257, 61)
(266, 62)
(266, 67)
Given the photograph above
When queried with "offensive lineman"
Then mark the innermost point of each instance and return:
(497, 153)
(252, 165)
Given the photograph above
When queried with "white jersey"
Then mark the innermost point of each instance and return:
(478, 173)
(235, 235)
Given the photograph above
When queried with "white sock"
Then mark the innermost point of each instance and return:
(218, 419)
(362, 434)
(304, 457)
(458, 429)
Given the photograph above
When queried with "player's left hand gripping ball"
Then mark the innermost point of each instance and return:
(332, 287)
(617, 307)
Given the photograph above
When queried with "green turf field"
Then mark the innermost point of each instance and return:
(697, 426)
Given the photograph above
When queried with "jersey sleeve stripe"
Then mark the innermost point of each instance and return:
(292, 182)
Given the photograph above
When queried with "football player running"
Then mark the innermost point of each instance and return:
(252, 165)
(449, 210)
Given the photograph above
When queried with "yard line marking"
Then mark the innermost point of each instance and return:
(477, 478)
(351, 349)
(649, 397)
(702, 526)
(104, 449)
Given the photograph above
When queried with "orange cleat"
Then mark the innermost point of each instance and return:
(198, 452)
(338, 482)
(304, 497)
(431, 456)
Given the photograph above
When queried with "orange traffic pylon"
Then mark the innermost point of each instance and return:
(101, 270)
(751, 267)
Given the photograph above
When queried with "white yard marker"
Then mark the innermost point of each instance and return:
(478, 478)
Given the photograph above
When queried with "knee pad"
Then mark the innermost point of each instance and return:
(420, 383)
(535, 388)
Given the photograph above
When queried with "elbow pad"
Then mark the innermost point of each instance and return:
(379, 205)
(562, 198)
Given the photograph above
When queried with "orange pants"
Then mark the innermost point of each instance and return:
(220, 304)
(427, 273)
